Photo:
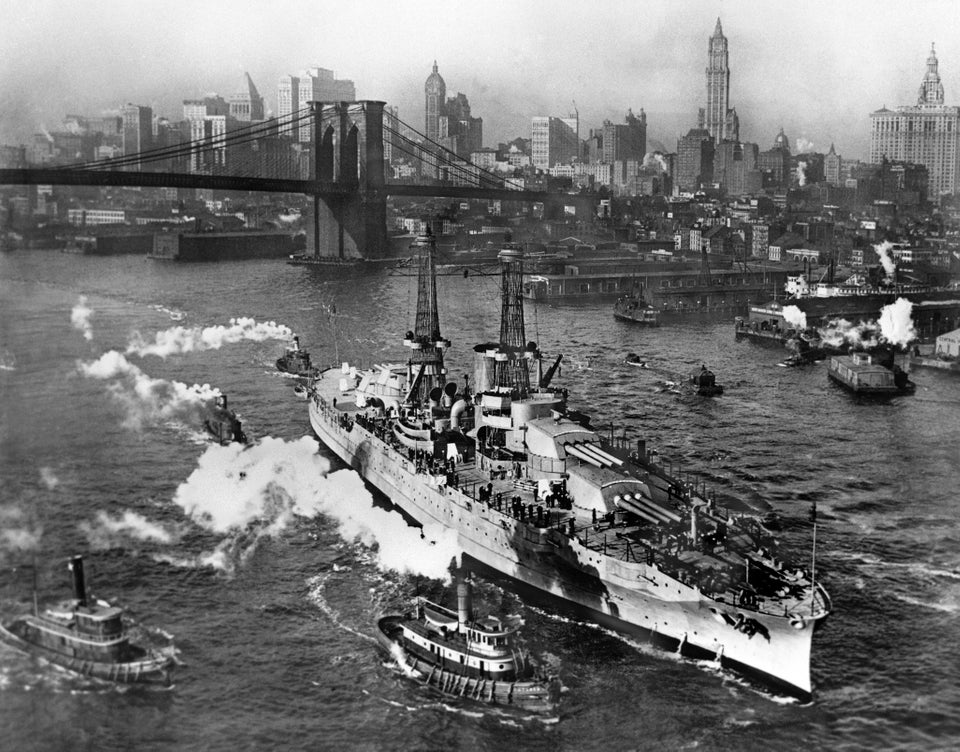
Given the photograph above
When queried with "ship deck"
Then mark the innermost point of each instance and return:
(715, 570)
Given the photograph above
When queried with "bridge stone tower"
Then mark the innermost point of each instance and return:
(349, 205)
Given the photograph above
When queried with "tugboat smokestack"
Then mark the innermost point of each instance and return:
(464, 602)
(79, 586)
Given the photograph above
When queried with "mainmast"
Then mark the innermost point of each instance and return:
(425, 369)
(511, 368)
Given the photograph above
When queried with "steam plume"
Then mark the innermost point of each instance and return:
(181, 339)
(802, 173)
(896, 325)
(883, 251)
(80, 318)
(804, 145)
(112, 532)
(148, 400)
(795, 317)
(16, 534)
(245, 494)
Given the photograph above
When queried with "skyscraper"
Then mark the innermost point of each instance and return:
(246, 104)
(137, 129)
(626, 141)
(926, 134)
(435, 91)
(694, 160)
(719, 120)
(552, 142)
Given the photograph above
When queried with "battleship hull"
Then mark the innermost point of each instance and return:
(628, 596)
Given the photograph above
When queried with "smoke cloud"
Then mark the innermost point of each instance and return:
(802, 173)
(840, 332)
(80, 318)
(896, 325)
(181, 339)
(804, 146)
(795, 317)
(655, 159)
(886, 259)
(17, 535)
(148, 400)
(50, 480)
(108, 532)
(246, 494)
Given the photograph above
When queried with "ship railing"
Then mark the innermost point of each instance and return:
(73, 634)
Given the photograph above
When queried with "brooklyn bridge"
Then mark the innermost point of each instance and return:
(333, 152)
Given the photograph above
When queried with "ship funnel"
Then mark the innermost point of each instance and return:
(464, 602)
(449, 392)
(75, 565)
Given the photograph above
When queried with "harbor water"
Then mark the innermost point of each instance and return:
(270, 564)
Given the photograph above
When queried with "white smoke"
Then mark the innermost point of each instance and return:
(289, 219)
(16, 533)
(802, 173)
(80, 318)
(795, 317)
(181, 339)
(655, 159)
(840, 332)
(804, 146)
(113, 532)
(50, 480)
(896, 325)
(247, 493)
(883, 251)
(148, 400)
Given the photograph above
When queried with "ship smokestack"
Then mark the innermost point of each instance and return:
(464, 602)
(75, 565)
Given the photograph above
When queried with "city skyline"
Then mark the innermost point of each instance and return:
(818, 70)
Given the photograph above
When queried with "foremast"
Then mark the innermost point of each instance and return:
(425, 368)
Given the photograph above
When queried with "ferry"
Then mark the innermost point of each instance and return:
(467, 657)
(541, 500)
(89, 637)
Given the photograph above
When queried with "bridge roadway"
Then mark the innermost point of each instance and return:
(323, 189)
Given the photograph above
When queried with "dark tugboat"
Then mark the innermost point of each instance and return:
(222, 423)
(705, 382)
(636, 309)
(296, 360)
(467, 657)
(87, 636)
(870, 374)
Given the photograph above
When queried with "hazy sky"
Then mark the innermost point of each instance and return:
(816, 68)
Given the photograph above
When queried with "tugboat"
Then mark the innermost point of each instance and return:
(870, 374)
(222, 423)
(87, 636)
(539, 498)
(463, 656)
(636, 309)
(706, 382)
(296, 360)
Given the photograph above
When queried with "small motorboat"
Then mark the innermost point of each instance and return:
(88, 636)
(633, 359)
(296, 360)
(705, 382)
(222, 423)
(465, 657)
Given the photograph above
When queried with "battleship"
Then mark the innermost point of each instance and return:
(595, 523)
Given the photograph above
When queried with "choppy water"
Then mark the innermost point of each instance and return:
(251, 558)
